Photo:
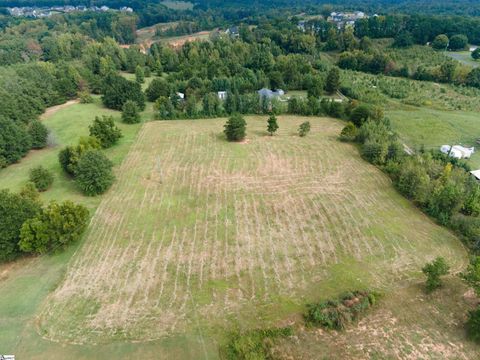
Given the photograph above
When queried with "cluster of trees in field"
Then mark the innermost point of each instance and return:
(89, 166)
(440, 185)
(29, 227)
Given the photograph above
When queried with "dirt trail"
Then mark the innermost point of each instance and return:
(53, 109)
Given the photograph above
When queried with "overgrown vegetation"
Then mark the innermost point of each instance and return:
(253, 344)
(339, 313)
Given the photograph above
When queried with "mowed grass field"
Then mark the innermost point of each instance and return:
(433, 128)
(199, 235)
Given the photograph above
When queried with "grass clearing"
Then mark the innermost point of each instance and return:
(198, 234)
(465, 57)
(434, 128)
(407, 324)
(67, 125)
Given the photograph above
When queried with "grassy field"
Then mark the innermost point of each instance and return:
(465, 57)
(433, 128)
(199, 234)
(66, 125)
(26, 283)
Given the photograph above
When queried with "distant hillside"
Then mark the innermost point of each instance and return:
(458, 7)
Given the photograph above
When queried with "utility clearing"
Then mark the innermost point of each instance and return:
(198, 234)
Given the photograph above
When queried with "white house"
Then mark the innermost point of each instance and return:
(181, 96)
(476, 174)
(457, 151)
(222, 95)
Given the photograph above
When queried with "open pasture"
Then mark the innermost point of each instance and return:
(198, 234)
(434, 128)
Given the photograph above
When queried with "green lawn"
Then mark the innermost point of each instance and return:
(433, 128)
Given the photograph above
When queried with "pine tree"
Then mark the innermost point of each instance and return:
(139, 74)
(130, 112)
(235, 128)
(272, 125)
(333, 81)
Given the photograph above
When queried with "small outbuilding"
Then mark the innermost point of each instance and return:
(222, 95)
(476, 174)
(269, 94)
(457, 151)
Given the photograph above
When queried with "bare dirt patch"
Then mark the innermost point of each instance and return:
(53, 109)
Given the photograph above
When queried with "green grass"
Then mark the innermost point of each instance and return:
(433, 128)
(208, 234)
(299, 227)
(465, 57)
(67, 125)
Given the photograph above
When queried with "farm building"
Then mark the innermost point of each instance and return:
(476, 174)
(457, 151)
(222, 95)
(269, 94)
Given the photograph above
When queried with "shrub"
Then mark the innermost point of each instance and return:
(458, 42)
(53, 228)
(85, 97)
(38, 134)
(272, 125)
(15, 142)
(69, 156)
(105, 130)
(93, 173)
(476, 54)
(473, 324)
(29, 191)
(130, 113)
(117, 90)
(360, 115)
(304, 129)
(332, 83)
(235, 128)
(472, 274)
(375, 151)
(349, 132)
(254, 344)
(157, 88)
(139, 74)
(41, 177)
(14, 211)
(433, 271)
(440, 42)
(337, 314)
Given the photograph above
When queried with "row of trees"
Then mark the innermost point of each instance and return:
(375, 62)
(438, 184)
